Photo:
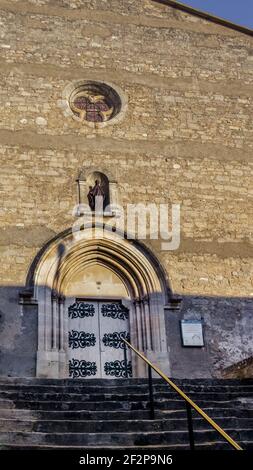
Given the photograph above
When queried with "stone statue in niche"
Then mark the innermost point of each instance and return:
(95, 191)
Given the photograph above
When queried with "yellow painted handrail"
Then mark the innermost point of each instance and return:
(186, 398)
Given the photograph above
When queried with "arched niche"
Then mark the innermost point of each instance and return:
(141, 285)
(87, 180)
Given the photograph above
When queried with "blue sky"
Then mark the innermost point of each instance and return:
(237, 11)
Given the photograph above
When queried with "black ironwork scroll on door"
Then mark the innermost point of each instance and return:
(81, 310)
(116, 311)
(80, 340)
(115, 340)
(81, 368)
(120, 368)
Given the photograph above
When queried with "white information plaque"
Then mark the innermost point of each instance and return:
(192, 333)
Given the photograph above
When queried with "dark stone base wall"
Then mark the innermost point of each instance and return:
(19, 335)
(227, 327)
(228, 335)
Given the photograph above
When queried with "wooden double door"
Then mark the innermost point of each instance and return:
(96, 349)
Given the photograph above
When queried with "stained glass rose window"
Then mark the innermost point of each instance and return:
(95, 102)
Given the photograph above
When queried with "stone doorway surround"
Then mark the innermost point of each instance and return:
(140, 283)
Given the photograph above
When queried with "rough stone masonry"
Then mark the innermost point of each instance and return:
(186, 138)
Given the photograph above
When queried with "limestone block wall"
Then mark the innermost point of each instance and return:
(186, 138)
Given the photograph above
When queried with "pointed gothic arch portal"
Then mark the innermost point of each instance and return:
(86, 275)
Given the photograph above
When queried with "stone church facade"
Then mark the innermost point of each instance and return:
(143, 102)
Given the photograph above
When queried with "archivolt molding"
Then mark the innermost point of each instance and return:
(65, 257)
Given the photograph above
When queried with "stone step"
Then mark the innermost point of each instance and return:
(118, 382)
(107, 405)
(69, 413)
(140, 388)
(112, 449)
(98, 426)
(118, 438)
(215, 413)
(134, 396)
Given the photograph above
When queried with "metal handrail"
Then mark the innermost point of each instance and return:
(187, 400)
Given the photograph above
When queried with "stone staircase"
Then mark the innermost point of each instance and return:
(114, 414)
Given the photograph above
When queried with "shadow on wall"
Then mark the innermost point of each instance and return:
(228, 335)
(227, 326)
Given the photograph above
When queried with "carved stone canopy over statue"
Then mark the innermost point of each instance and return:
(93, 193)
